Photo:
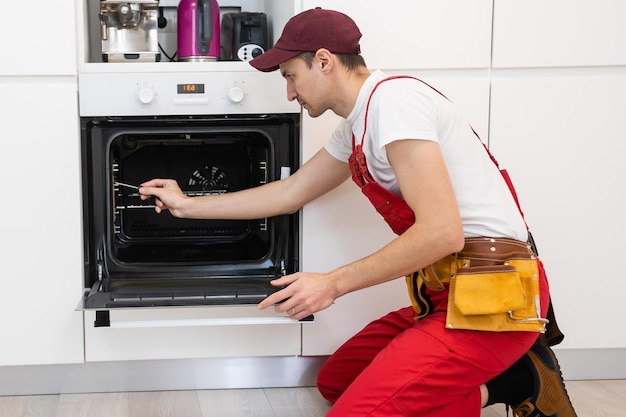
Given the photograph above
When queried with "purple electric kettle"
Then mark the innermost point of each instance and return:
(198, 30)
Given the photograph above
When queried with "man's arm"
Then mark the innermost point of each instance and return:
(437, 232)
(316, 177)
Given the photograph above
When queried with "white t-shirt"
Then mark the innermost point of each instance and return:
(408, 109)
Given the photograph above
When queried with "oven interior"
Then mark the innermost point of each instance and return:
(135, 257)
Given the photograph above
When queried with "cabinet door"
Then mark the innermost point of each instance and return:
(40, 226)
(562, 140)
(421, 34)
(38, 37)
(559, 33)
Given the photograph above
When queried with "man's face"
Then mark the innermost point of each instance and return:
(305, 85)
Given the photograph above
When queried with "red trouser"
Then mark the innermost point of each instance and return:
(397, 366)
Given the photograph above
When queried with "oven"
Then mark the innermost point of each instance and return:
(214, 132)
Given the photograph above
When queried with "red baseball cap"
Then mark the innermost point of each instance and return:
(309, 31)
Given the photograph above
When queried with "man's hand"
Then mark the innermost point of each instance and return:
(305, 294)
(167, 194)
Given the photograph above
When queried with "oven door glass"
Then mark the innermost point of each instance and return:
(138, 258)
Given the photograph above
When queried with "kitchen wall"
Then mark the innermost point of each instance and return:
(543, 83)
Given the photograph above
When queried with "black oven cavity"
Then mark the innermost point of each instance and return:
(135, 257)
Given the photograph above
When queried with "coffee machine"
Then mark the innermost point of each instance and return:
(129, 31)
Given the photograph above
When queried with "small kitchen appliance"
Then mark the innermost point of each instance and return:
(198, 30)
(129, 31)
(244, 36)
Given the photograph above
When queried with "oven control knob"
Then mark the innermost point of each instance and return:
(236, 94)
(145, 95)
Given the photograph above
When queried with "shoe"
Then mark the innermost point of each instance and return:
(550, 398)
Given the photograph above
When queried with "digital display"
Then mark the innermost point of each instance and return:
(190, 88)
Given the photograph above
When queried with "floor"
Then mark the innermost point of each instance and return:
(606, 398)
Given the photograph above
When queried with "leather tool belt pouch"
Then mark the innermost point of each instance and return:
(490, 291)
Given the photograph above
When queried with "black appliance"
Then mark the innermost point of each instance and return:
(244, 36)
(135, 257)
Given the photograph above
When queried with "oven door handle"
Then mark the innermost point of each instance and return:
(103, 319)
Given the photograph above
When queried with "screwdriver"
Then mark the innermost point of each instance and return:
(134, 187)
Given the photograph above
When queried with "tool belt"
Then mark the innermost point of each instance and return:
(493, 285)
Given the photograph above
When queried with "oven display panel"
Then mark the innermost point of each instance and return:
(190, 88)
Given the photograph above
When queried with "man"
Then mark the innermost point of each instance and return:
(420, 163)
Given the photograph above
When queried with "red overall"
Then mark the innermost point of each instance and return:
(400, 366)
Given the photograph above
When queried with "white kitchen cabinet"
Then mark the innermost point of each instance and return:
(562, 139)
(38, 38)
(40, 226)
(559, 33)
(422, 34)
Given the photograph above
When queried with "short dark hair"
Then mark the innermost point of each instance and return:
(350, 61)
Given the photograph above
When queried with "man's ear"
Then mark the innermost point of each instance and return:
(324, 58)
